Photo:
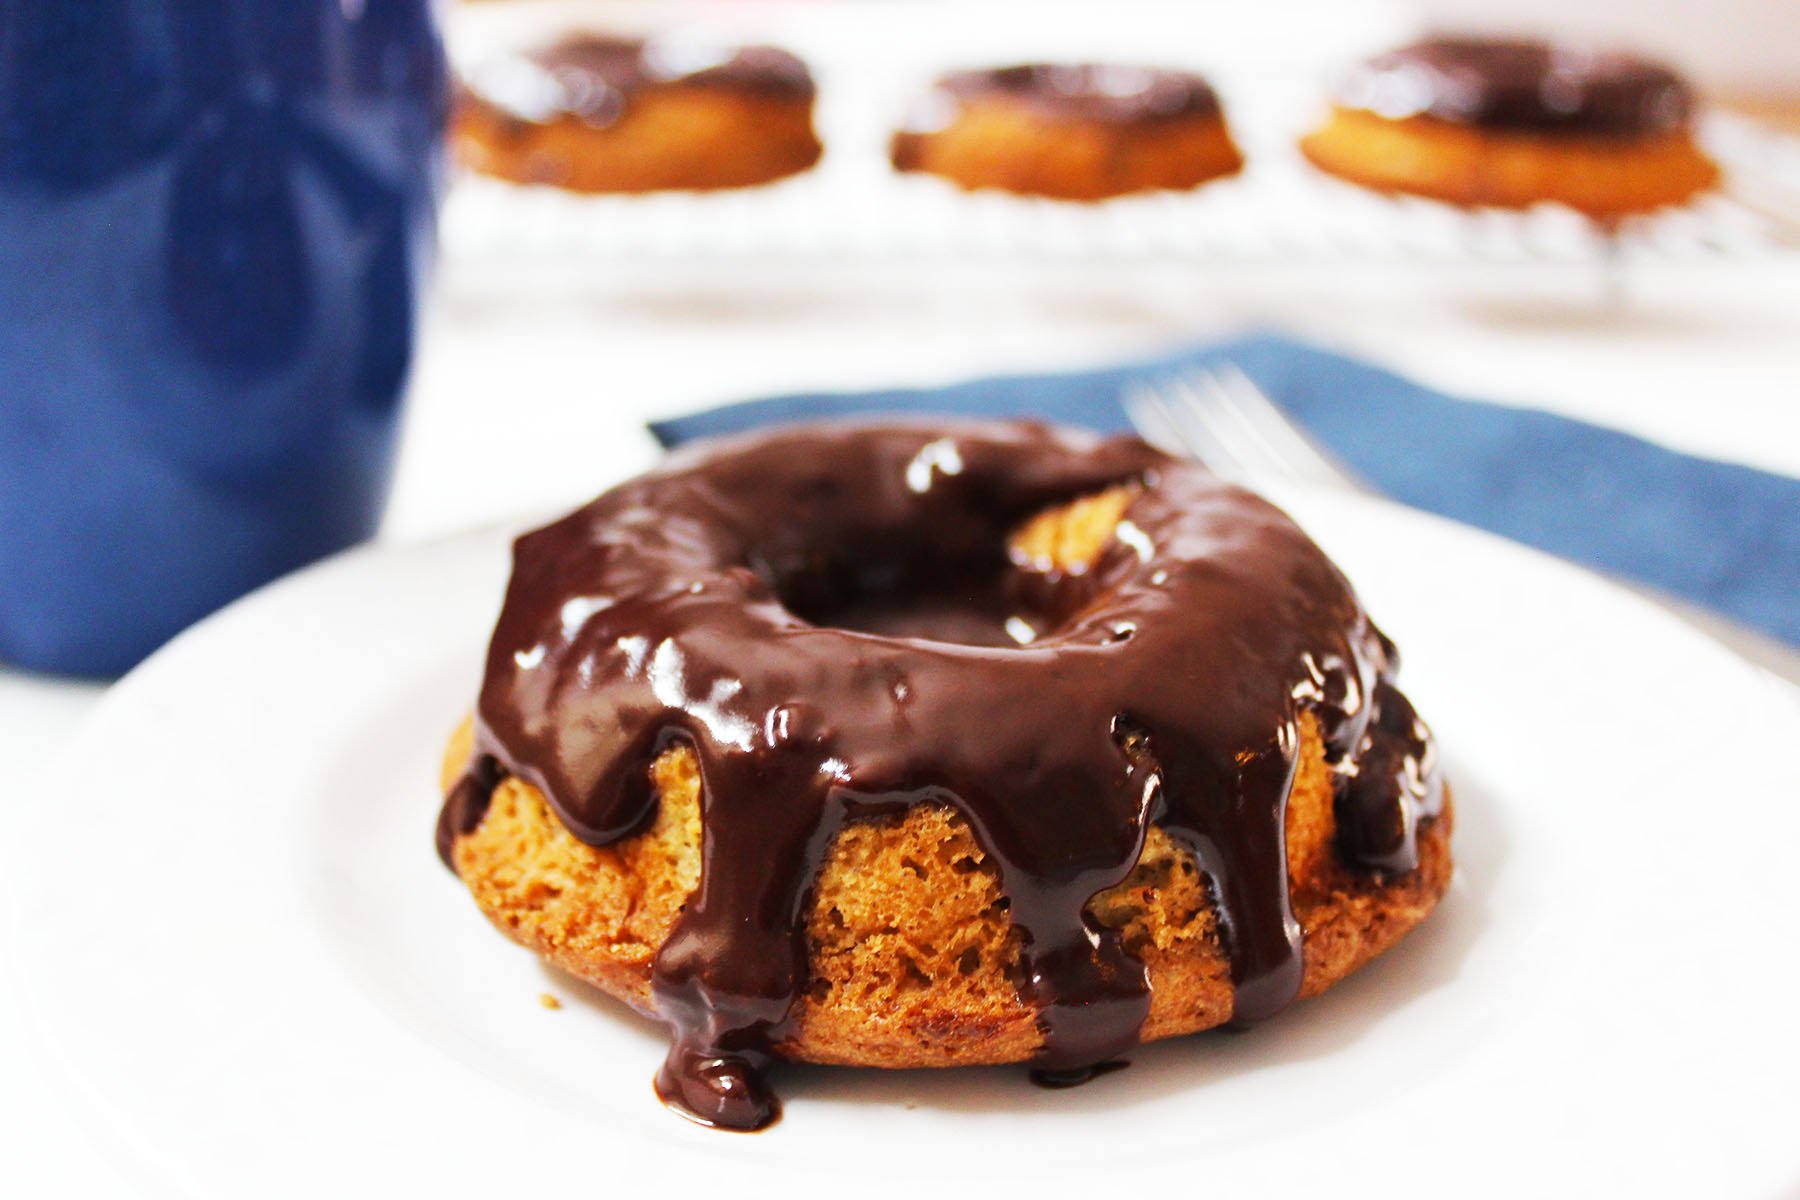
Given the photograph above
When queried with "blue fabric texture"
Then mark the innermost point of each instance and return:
(1723, 536)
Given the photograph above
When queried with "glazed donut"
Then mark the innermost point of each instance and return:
(1069, 131)
(604, 114)
(896, 745)
(1513, 123)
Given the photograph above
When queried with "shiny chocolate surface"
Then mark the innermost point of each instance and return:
(831, 618)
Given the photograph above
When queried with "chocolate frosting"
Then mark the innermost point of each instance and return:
(593, 77)
(1115, 95)
(830, 617)
(1520, 85)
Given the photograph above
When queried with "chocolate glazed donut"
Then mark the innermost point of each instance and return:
(828, 616)
(1513, 123)
(1522, 85)
(1068, 131)
(592, 113)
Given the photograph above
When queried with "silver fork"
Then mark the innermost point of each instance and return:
(1221, 417)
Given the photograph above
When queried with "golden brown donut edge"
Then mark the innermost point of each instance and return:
(1001, 144)
(1602, 178)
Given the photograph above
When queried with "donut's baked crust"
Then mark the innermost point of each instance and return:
(1425, 156)
(999, 143)
(673, 137)
(912, 958)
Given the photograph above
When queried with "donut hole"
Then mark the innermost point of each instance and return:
(969, 603)
(1001, 594)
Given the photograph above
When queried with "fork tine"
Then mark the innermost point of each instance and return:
(1150, 417)
(1287, 443)
(1163, 420)
(1221, 417)
(1193, 404)
(1211, 406)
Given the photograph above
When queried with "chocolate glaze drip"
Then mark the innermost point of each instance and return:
(1114, 95)
(593, 78)
(1521, 85)
(1162, 684)
(1076, 1076)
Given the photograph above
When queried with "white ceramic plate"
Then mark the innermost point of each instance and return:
(243, 953)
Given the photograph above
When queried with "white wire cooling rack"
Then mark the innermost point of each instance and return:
(853, 208)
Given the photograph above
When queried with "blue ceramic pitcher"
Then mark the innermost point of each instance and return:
(215, 216)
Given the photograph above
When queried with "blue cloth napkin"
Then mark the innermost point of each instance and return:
(1722, 536)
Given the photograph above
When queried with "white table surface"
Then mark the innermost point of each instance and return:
(531, 393)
